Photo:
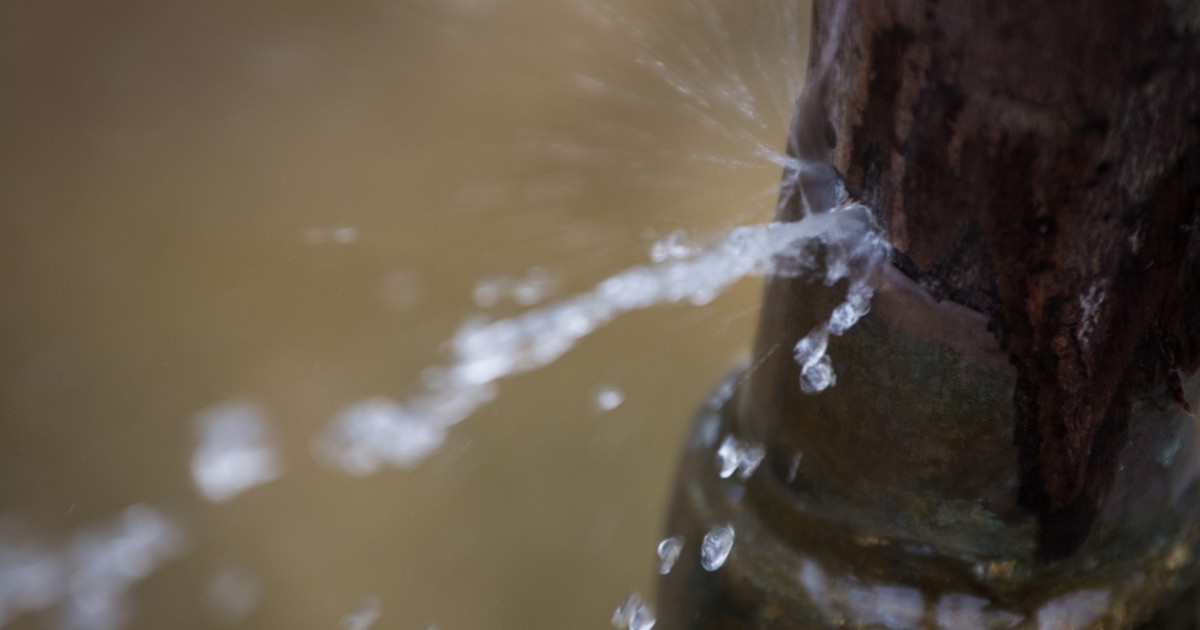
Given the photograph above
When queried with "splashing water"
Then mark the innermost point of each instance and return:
(707, 83)
(361, 441)
(406, 431)
(854, 260)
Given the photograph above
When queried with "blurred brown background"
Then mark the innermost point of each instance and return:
(292, 203)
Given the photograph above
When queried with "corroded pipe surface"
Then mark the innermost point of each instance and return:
(1010, 441)
(1039, 163)
(891, 500)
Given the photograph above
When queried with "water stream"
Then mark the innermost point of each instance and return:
(253, 247)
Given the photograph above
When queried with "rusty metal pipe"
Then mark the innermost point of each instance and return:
(1009, 443)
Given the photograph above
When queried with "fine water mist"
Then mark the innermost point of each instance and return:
(493, 252)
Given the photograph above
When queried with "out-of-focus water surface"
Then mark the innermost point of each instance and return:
(223, 224)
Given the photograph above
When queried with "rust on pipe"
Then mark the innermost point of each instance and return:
(1011, 431)
(1039, 163)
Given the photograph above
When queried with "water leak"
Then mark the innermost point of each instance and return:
(236, 227)
(483, 352)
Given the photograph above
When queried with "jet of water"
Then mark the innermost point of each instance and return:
(484, 352)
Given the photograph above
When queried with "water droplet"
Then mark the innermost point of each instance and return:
(633, 614)
(364, 616)
(854, 253)
(643, 618)
(752, 456)
(624, 612)
(718, 542)
(234, 452)
(736, 456)
(607, 398)
(728, 455)
(668, 553)
(847, 314)
(811, 348)
(818, 376)
(816, 370)
(673, 247)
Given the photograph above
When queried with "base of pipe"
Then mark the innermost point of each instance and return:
(822, 572)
